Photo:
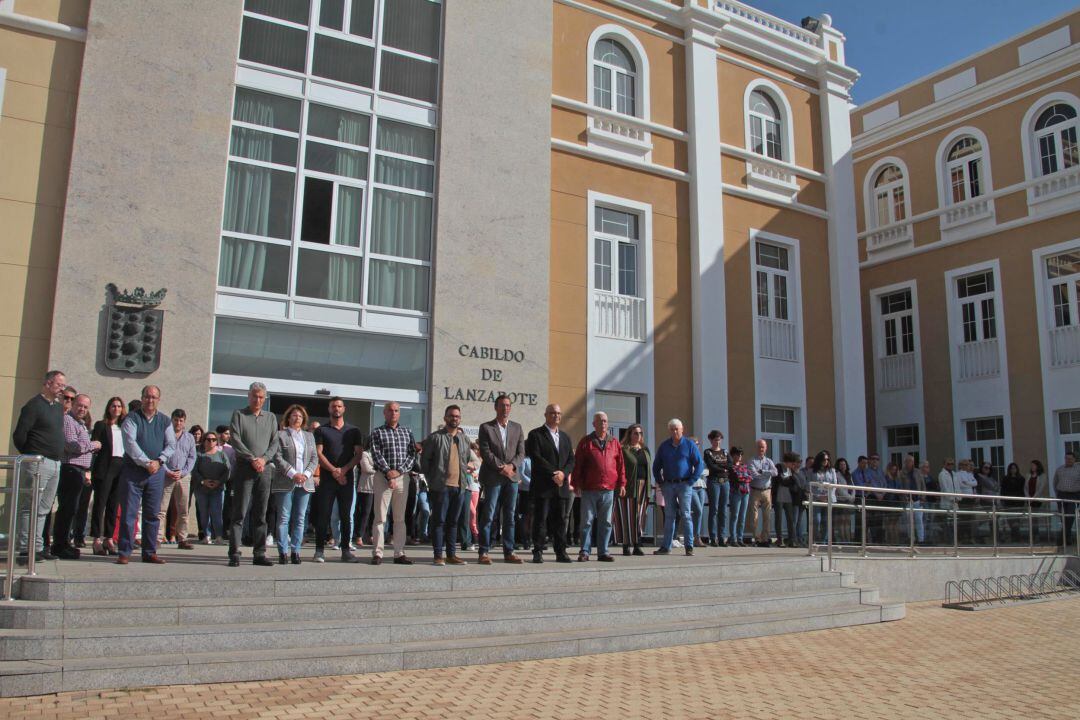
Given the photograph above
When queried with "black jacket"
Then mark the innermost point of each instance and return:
(547, 460)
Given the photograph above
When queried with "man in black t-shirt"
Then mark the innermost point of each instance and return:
(339, 445)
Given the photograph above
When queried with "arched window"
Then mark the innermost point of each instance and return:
(889, 196)
(964, 169)
(1055, 138)
(615, 77)
(766, 126)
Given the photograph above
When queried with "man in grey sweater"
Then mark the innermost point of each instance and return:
(253, 434)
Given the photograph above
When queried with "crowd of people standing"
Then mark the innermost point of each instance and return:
(263, 482)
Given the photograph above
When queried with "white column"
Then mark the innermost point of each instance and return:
(708, 306)
(844, 287)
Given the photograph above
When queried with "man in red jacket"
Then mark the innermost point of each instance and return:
(598, 473)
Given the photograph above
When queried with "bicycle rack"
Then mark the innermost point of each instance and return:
(976, 593)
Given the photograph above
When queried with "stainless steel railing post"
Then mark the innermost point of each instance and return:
(32, 536)
(13, 516)
(1031, 529)
(955, 532)
(862, 510)
(994, 527)
(1064, 534)
(911, 525)
(828, 525)
(1076, 526)
(809, 525)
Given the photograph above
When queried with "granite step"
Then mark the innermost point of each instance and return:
(73, 614)
(126, 671)
(480, 622)
(218, 581)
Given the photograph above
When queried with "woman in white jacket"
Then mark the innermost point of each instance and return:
(294, 483)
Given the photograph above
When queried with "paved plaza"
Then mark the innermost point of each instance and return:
(1004, 663)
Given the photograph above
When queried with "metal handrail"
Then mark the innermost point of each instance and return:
(14, 463)
(995, 511)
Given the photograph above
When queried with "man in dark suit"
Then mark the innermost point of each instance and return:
(502, 450)
(551, 452)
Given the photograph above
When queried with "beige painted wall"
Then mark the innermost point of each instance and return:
(37, 118)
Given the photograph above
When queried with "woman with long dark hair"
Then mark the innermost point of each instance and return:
(629, 512)
(105, 474)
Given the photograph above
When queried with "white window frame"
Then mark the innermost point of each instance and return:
(986, 446)
(1030, 142)
(896, 317)
(903, 450)
(980, 317)
(787, 132)
(644, 211)
(772, 277)
(1071, 283)
(614, 242)
(870, 193)
(794, 290)
(776, 440)
(1065, 440)
(632, 45)
(986, 186)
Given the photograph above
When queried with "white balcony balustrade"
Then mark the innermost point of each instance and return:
(1065, 346)
(888, 237)
(979, 360)
(967, 212)
(897, 372)
(621, 317)
(777, 339)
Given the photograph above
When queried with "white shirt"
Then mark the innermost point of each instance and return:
(502, 431)
(554, 436)
(966, 482)
(117, 440)
(298, 464)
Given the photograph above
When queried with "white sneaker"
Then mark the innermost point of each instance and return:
(675, 543)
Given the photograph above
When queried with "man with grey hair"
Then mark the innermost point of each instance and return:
(148, 443)
(677, 466)
(40, 431)
(598, 473)
(253, 433)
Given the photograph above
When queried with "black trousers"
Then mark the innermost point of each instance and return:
(68, 493)
(78, 527)
(522, 519)
(362, 517)
(329, 490)
(251, 491)
(106, 498)
(549, 518)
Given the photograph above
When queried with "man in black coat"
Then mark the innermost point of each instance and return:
(551, 452)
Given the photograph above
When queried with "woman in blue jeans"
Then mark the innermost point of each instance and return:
(719, 466)
(208, 478)
(294, 482)
(739, 482)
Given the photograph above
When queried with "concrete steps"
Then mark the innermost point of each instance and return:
(83, 633)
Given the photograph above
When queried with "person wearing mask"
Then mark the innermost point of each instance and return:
(40, 431)
(717, 464)
(208, 478)
(762, 471)
(739, 478)
(630, 509)
(253, 434)
(393, 451)
(78, 451)
(676, 466)
(445, 458)
(104, 474)
(149, 442)
(294, 481)
(551, 457)
(598, 475)
(178, 480)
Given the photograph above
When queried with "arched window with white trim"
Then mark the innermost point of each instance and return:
(615, 77)
(964, 170)
(1055, 139)
(889, 196)
(766, 125)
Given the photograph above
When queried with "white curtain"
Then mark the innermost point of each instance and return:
(398, 285)
(401, 225)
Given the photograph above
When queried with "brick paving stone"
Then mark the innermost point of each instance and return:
(885, 670)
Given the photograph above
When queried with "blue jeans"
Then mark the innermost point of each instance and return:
(292, 509)
(697, 511)
(507, 491)
(208, 504)
(423, 514)
(139, 488)
(679, 493)
(445, 515)
(719, 496)
(596, 504)
(737, 515)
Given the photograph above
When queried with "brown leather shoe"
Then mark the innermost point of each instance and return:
(484, 560)
(153, 559)
(123, 560)
(185, 545)
(439, 561)
(512, 559)
(376, 560)
(455, 560)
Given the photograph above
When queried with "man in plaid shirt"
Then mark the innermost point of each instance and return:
(393, 451)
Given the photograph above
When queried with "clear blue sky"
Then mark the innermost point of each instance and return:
(892, 42)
